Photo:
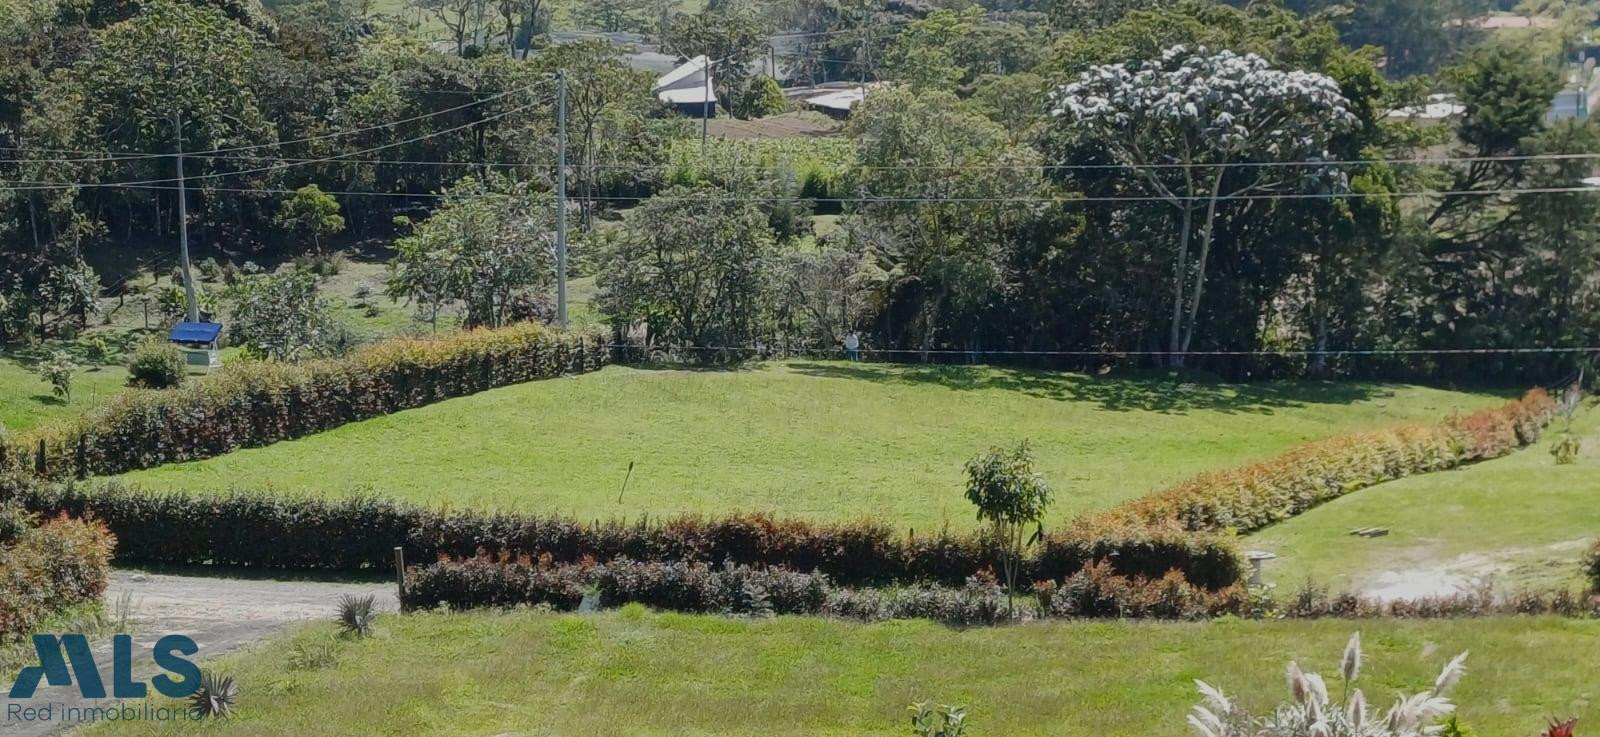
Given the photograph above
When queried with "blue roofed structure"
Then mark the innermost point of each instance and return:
(195, 332)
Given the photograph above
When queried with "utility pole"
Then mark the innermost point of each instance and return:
(561, 197)
(710, 106)
(193, 312)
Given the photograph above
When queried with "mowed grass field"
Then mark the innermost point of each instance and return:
(820, 440)
(1521, 521)
(633, 673)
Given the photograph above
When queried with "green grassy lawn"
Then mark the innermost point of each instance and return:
(820, 440)
(26, 401)
(1522, 521)
(639, 674)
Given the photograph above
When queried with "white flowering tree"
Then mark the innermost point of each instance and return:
(1198, 130)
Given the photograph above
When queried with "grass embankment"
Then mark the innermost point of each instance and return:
(818, 440)
(638, 674)
(1521, 521)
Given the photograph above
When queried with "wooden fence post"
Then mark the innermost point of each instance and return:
(400, 575)
(38, 460)
(83, 457)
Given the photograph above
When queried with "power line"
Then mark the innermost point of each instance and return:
(216, 152)
(1299, 163)
(22, 185)
(1156, 354)
(331, 158)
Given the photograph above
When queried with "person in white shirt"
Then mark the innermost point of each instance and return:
(852, 346)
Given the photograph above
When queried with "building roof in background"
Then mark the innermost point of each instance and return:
(785, 125)
(689, 84)
(840, 100)
(1439, 107)
(1505, 21)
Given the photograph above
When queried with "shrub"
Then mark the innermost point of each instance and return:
(482, 581)
(156, 365)
(1254, 496)
(48, 568)
(698, 587)
(255, 403)
(1098, 591)
(270, 530)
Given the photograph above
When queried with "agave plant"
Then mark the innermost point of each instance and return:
(357, 613)
(1311, 713)
(216, 696)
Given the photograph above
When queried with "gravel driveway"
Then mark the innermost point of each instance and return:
(220, 614)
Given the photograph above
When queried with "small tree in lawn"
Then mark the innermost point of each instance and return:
(58, 370)
(1011, 497)
(312, 212)
(282, 317)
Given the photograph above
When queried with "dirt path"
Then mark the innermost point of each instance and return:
(220, 614)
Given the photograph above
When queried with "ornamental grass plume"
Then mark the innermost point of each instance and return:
(1311, 713)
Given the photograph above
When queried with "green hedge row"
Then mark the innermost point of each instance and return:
(1251, 497)
(47, 568)
(262, 529)
(257, 402)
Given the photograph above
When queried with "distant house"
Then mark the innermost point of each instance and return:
(1439, 109)
(689, 89)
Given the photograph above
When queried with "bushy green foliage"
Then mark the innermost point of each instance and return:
(254, 403)
(944, 721)
(281, 316)
(1254, 496)
(47, 568)
(156, 364)
(820, 166)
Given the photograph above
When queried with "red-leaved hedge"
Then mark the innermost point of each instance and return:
(258, 402)
(272, 530)
(48, 568)
(1253, 496)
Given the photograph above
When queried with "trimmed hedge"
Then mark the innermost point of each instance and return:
(482, 581)
(48, 568)
(1251, 497)
(1095, 592)
(255, 403)
(267, 530)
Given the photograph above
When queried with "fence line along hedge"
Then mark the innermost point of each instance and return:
(1251, 497)
(262, 529)
(256, 403)
(48, 568)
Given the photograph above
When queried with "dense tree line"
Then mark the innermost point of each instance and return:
(1139, 176)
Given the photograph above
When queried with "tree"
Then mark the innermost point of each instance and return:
(282, 316)
(693, 269)
(467, 20)
(760, 98)
(1011, 497)
(950, 48)
(951, 195)
(603, 94)
(1182, 123)
(490, 243)
(58, 371)
(312, 212)
(731, 39)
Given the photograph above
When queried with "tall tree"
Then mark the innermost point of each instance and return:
(1183, 124)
